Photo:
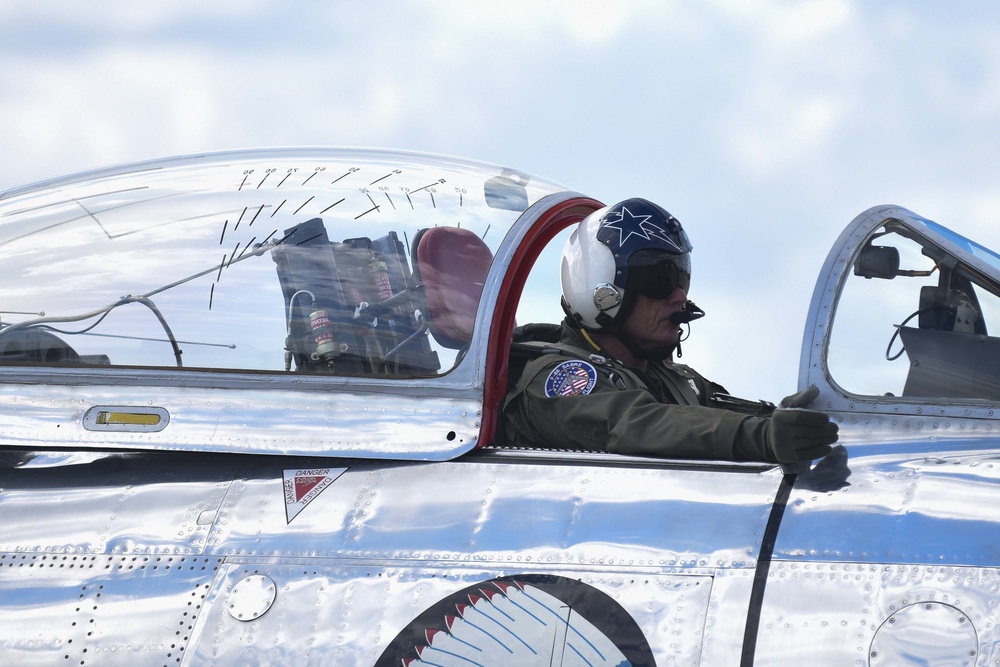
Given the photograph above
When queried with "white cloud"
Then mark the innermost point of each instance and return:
(126, 16)
(602, 21)
(813, 18)
(797, 85)
(790, 21)
(529, 20)
(767, 137)
(136, 99)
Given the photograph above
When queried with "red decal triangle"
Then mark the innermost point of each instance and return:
(304, 485)
(502, 585)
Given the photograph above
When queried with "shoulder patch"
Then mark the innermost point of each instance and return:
(571, 378)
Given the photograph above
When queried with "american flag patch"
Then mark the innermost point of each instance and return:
(571, 378)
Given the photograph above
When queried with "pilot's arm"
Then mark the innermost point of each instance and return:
(561, 405)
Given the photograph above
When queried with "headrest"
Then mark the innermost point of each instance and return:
(452, 264)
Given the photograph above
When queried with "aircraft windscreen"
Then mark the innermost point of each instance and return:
(973, 248)
(916, 320)
(319, 261)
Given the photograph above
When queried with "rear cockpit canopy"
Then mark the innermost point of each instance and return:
(306, 261)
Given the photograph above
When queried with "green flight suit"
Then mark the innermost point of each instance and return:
(669, 410)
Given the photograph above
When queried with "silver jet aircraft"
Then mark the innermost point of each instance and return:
(248, 409)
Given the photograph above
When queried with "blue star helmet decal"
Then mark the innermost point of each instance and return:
(636, 225)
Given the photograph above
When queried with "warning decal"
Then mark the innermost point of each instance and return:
(304, 485)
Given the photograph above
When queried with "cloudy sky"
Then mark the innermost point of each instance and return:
(764, 126)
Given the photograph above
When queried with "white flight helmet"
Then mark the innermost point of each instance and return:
(617, 252)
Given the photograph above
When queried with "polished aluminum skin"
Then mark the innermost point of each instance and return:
(361, 561)
(231, 512)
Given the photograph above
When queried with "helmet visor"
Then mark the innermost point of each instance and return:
(656, 275)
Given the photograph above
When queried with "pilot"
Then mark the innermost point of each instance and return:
(606, 379)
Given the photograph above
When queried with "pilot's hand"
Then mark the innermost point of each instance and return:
(800, 435)
(802, 399)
